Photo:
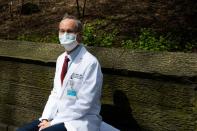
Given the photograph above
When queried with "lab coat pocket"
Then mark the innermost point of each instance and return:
(77, 83)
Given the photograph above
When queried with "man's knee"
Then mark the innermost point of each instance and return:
(33, 126)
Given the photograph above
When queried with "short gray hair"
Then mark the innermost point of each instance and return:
(78, 27)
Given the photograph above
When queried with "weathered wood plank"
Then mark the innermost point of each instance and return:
(167, 63)
(152, 92)
(29, 74)
(23, 95)
(17, 115)
(158, 118)
(30, 50)
(159, 92)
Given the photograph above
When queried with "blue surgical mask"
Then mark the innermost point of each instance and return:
(68, 41)
(67, 38)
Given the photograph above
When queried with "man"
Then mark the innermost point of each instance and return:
(74, 102)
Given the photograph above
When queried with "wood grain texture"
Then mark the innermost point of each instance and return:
(169, 94)
(156, 105)
(166, 63)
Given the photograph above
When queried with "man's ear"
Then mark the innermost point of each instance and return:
(79, 37)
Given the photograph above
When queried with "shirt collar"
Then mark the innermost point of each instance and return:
(74, 53)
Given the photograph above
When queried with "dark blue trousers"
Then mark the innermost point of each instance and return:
(33, 126)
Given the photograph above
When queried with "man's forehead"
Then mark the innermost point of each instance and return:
(68, 23)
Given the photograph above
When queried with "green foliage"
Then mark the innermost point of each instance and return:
(149, 40)
(129, 44)
(93, 36)
(190, 46)
(88, 34)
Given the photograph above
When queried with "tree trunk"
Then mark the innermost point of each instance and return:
(84, 6)
(78, 9)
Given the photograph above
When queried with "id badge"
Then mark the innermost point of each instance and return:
(71, 92)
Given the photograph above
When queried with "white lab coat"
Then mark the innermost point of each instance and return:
(80, 112)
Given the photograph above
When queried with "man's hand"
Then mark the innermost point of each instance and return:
(44, 124)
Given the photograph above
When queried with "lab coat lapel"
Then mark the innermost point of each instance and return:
(72, 68)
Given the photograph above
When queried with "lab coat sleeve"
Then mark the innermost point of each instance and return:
(89, 91)
(51, 105)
